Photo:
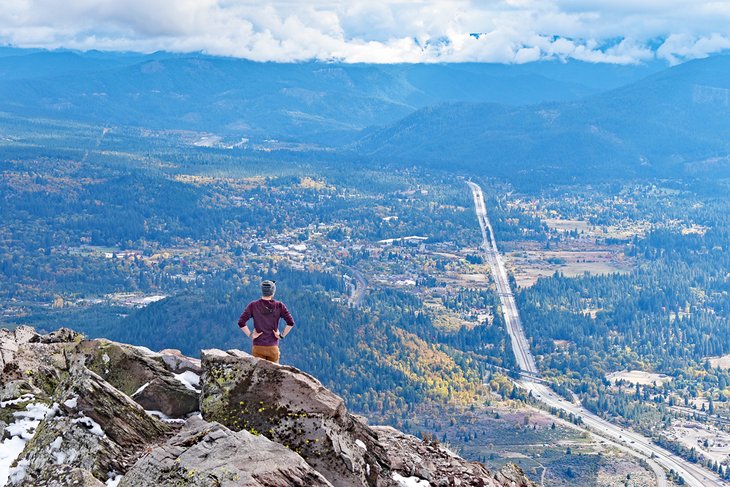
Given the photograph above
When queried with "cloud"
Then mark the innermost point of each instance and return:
(385, 31)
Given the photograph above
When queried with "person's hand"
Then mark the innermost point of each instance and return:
(277, 334)
(255, 334)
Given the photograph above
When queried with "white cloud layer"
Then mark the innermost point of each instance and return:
(386, 31)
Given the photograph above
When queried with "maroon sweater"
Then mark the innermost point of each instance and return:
(266, 315)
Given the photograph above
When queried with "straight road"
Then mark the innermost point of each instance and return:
(637, 444)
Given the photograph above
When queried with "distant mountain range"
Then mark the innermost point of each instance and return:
(675, 122)
(327, 104)
(549, 119)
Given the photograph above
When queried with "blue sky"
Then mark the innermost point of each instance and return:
(506, 31)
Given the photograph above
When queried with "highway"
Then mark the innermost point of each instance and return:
(639, 445)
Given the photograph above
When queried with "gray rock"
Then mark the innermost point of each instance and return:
(66, 476)
(93, 427)
(177, 363)
(24, 334)
(161, 394)
(128, 369)
(76, 477)
(10, 340)
(96, 427)
(64, 444)
(33, 368)
(122, 419)
(206, 454)
(411, 457)
(294, 409)
(62, 335)
(511, 475)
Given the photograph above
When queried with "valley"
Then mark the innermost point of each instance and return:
(610, 289)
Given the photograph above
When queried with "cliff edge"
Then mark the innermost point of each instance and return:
(85, 412)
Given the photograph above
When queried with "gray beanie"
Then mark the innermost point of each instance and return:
(268, 288)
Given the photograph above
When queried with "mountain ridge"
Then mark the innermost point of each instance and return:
(324, 103)
(662, 125)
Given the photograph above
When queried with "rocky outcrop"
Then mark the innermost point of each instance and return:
(294, 409)
(141, 375)
(205, 453)
(81, 410)
(178, 363)
(10, 340)
(439, 466)
(91, 426)
(28, 366)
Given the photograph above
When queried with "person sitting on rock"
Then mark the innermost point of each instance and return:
(266, 313)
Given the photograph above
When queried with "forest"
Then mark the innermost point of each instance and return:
(97, 219)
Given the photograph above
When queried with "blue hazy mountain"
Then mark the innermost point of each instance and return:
(308, 102)
(673, 122)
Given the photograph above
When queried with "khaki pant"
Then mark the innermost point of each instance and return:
(270, 353)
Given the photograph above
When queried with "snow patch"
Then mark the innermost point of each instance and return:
(105, 358)
(93, 427)
(410, 481)
(12, 402)
(17, 474)
(71, 403)
(164, 417)
(9, 451)
(56, 444)
(58, 456)
(19, 432)
(114, 479)
(140, 389)
(191, 380)
(361, 444)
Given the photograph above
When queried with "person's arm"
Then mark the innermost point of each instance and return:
(289, 321)
(247, 313)
(286, 331)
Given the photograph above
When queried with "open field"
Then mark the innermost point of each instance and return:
(624, 230)
(529, 265)
(638, 377)
(444, 318)
(722, 362)
(706, 438)
(562, 225)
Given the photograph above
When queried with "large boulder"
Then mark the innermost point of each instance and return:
(140, 375)
(10, 340)
(29, 367)
(177, 363)
(204, 454)
(38, 363)
(91, 428)
(294, 409)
